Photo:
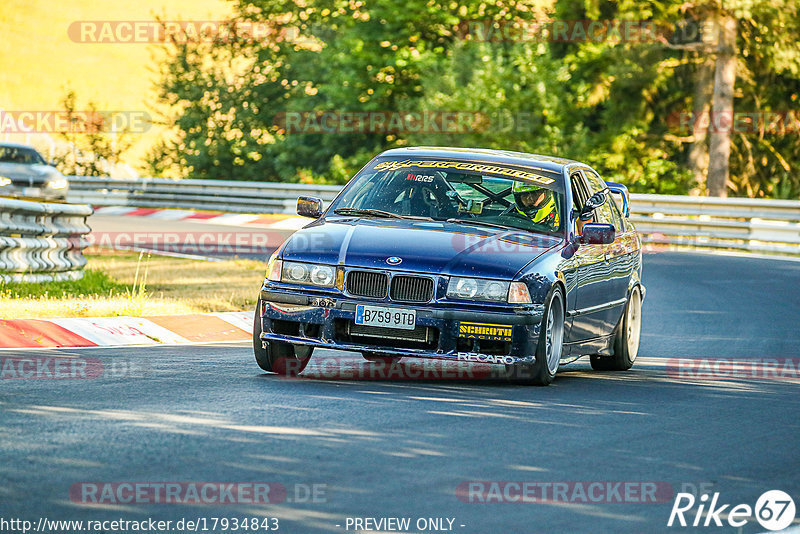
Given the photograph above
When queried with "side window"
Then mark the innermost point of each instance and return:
(595, 183)
(604, 213)
(619, 222)
(580, 194)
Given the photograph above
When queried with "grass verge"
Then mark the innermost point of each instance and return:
(119, 283)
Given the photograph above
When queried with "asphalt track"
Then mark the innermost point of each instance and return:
(401, 448)
(186, 237)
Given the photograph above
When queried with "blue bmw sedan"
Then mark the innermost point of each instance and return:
(471, 255)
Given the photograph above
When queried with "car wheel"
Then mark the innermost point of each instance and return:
(379, 357)
(550, 345)
(626, 338)
(277, 357)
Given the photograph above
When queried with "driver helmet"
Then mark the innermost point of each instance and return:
(534, 201)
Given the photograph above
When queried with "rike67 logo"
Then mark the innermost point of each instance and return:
(774, 510)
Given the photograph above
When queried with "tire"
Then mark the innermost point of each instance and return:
(626, 338)
(378, 357)
(261, 353)
(549, 347)
(280, 358)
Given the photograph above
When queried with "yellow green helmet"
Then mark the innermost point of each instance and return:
(534, 201)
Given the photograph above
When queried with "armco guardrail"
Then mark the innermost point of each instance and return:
(42, 242)
(755, 225)
(216, 195)
(748, 224)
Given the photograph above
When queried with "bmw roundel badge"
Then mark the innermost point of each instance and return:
(394, 260)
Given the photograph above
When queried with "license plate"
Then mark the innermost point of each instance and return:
(386, 317)
(32, 192)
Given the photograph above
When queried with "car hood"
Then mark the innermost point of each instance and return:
(27, 175)
(426, 247)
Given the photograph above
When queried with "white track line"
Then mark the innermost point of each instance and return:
(171, 215)
(114, 210)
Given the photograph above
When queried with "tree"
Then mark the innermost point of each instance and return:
(747, 42)
(724, 80)
(608, 102)
(94, 147)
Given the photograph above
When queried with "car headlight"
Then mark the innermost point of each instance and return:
(4, 181)
(477, 289)
(295, 272)
(292, 272)
(58, 183)
(322, 275)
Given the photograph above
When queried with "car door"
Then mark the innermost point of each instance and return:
(589, 316)
(605, 299)
(626, 246)
(573, 260)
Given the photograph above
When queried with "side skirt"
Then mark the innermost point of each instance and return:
(598, 345)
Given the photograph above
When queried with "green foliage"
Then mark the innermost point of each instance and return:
(608, 103)
(94, 283)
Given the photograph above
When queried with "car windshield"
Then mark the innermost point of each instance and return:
(463, 192)
(26, 156)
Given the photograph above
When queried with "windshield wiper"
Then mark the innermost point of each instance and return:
(378, 213)
(366, 211)
(479, 223)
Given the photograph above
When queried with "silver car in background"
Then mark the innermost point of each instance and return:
(25, 173)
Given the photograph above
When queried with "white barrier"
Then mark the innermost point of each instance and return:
(42, 242)
(749, 224)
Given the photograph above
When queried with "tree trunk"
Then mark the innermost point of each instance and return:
(722, 114)
(701, 103)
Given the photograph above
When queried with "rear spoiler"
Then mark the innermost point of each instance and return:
(614, 187)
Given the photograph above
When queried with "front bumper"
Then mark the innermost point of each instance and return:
(322, 322)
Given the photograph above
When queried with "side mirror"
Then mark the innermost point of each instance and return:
(309, 207)
(597, 234)
(594, 202)
(620, 189)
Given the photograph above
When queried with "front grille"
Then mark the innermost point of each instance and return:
(411, 289)
(286, 328)
(368, 284)
(420, 334)
(421, 337)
